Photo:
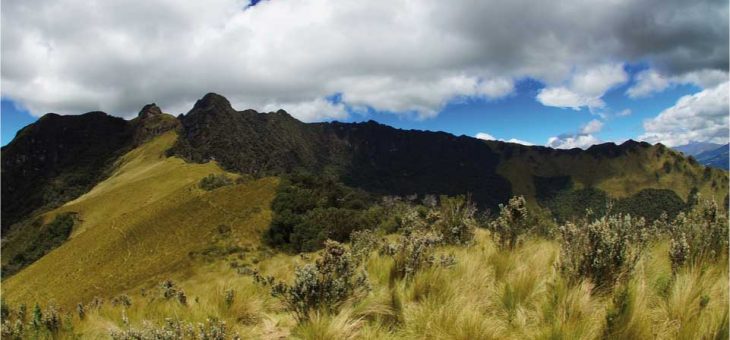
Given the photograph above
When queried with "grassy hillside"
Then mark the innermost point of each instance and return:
(618, 170)
(488, 293)
(146, 221)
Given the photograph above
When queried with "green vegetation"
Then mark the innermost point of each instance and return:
(617, 278)
(37, 240)
(214, 181)
(323, 286)
(311, 209)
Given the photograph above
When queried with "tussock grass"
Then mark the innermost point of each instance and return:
(489, 293)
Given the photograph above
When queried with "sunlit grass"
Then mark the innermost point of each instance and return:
(488, 294)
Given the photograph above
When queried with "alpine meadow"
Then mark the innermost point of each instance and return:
(365, 170)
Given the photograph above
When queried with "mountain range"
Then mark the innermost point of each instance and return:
(85, 196)
(710, 154)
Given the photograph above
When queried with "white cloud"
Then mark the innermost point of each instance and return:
(312, 111)
(624, 113)
(582, 141)
(495, 88)
(584, 89)
(646, 83)
(518, 141)
(702, 117)
(650, 81)
(72, 56)
(486, 136)
(592, 127)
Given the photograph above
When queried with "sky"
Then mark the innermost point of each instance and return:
(562, 74)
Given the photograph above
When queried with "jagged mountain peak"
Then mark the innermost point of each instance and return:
(212, 102)
(149, 110)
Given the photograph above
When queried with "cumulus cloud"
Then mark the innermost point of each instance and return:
(647, 82)
(570, 141)
(650, 81)
(702, 117)
(583, 139)
(400, 56)
(316, 110)
(591, 127)
(486, 136)
(584, 89)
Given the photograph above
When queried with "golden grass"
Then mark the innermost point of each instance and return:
(140, 225)
(488, 294)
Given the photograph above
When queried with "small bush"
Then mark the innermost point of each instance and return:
(122, 300)
(456, 223)
(52, 320)
(701, 233)
(412, 253)
(230, 295)
(513, 221)
(214, 181)
(601, 250)
(363, 243)
(323, 286)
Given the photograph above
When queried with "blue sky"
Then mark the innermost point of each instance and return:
(530, 71)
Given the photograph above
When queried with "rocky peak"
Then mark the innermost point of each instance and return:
(149, 110)
(212, 101)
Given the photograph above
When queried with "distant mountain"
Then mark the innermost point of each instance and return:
(717, 158)
(696, 148)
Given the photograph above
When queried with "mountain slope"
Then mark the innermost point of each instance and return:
(58, 158)
(142, 223)
(390, 161)
(716, 158)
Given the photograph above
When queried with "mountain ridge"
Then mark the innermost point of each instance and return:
(369, 155)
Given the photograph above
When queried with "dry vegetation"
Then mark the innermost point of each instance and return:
(602, 277)
(437, 269)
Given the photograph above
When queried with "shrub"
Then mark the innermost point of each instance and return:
(230, 295)
(701, 233)
(456, 221)
(321, 224)
(124, 300)
(311, 209)
(363, 242)
(170, 290)
(513, 221)
(601, 250)
(52, 320)
(323, 286)
(413, 252)
(81, 311)
(37, 317)
(212, 329)
(12, 330)
(214, 181)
